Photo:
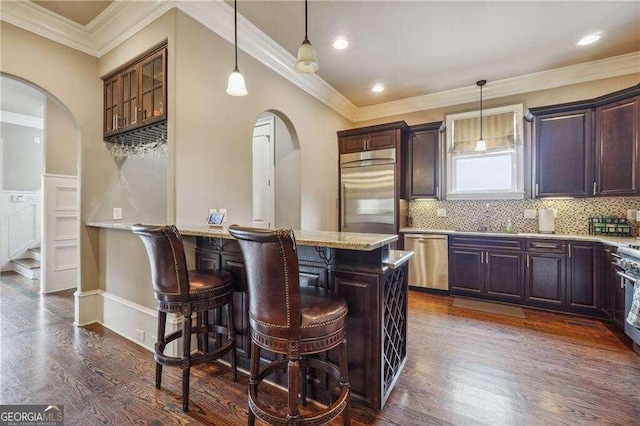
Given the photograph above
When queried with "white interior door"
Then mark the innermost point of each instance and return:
(263, 174)
(59, 267)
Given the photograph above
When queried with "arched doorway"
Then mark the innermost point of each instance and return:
(276, 172)
(40, 205)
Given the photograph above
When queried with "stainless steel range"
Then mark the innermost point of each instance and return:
(628, 269)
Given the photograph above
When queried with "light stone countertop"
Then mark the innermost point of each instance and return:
(397, 258)
(612, 241)
(331, 239)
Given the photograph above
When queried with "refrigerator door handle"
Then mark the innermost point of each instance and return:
(342, 198)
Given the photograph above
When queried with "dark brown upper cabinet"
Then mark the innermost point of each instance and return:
(135, 95)
(423, 161)
(563, 154)
(370, 138)
(587, 148)
(617, 145)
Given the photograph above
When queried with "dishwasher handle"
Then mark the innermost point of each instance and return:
(425, 236)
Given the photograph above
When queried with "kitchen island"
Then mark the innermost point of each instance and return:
(360, 267)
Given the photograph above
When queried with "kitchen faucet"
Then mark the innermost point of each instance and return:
(487, 220)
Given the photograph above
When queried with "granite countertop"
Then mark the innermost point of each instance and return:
(397, 258)
(339, 240)
(613, 241)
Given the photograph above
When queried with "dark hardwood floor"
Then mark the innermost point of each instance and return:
(465, 367)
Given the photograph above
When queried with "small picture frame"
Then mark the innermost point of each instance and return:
(215, 219)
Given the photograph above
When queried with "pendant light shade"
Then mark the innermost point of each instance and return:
(307, 59)
(236, 86)
(481, 145)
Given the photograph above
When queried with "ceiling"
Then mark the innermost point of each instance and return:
(18, 97)
(421, 47)
(79, 11)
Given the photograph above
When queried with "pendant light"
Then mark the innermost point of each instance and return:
(307, 60)
(236, 85)
(481, 145)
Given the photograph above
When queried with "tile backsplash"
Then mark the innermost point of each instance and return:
(572, 214)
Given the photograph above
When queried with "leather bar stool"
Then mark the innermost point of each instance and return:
(291, 320)
(186, 292)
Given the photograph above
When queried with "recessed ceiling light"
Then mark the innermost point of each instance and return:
(591, 38)
(340, 43)
(377, 88)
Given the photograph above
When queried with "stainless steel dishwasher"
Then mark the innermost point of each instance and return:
(429, 267)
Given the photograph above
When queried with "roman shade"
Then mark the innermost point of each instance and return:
(498, 132)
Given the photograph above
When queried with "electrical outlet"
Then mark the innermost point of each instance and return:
(224, 212)
(530, 213)
(555, 213)
(117, 213)
(638, 216)
(140, 335)
(632, 215)
(441, 213)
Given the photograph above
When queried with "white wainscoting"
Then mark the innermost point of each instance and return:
(20, 224)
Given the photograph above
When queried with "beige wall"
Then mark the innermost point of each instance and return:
(71, 77)
(61, 141)
(214, 131)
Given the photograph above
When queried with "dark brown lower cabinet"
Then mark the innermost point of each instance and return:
(608, 280)
(612, 293)
(486, 272)
(503, 274)
(360, 330)
(553, 274)
(583, 275)
(466, 270)
(545, 279)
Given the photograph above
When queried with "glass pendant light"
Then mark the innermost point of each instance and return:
(236, 85)
(307, 60)
(481, 145)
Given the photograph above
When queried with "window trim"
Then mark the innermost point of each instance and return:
(518, 173)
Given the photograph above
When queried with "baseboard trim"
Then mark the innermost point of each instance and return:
(128, 319)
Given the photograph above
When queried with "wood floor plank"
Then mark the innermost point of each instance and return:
(464, 368)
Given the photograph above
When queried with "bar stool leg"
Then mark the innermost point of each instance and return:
(232, 336)
(253, 375)
(186, 358)
(344, 380)
(293, 370)
(162, 323)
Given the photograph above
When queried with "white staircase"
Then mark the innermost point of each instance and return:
(28, 266)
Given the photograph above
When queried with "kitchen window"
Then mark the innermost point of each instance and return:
(498, 172)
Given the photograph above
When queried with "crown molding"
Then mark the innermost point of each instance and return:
(573, 74)
(122, 20)
(36, 19)
(218, 17)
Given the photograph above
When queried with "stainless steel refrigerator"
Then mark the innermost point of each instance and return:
(368, 192)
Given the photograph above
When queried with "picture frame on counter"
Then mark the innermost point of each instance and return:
(215, 219)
